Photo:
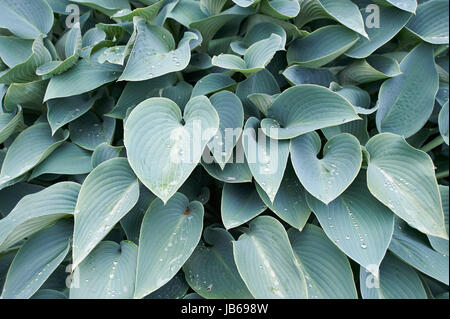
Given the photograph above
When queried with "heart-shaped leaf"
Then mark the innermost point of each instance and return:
(158, 122)
(328, 177)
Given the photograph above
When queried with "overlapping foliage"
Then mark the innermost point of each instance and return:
(97, 97)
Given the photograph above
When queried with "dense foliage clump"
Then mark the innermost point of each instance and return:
(224, 149)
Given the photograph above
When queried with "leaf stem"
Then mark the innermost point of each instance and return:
(441, 175)
(433, 144)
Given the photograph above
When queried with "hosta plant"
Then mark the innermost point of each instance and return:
(224, 149)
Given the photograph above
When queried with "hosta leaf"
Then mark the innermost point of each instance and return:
(104, 152)
(107, 194)
(108, 7)
(403, 179)
(233, 172)
(68, 159)
(65, 110)
(305, 108)
(281, 9)
(158, 121)
(327, 270)
(290, 202)
(374, 68)
(82, 78)
(359, 98)
(149, 13)
(176, 288)
(179, 93)
(48, 294)
(413, 248)
(37, 259)
(443, 122)
(25, 71)
(26, 19)
(136, 92)
(36, 211)
(396, 280)
(28, 95)
(406, 101)
(169, 235)
(258, 33)
(321, 46)
(256, 57)
(266, 157)
(430, 22)
(212, 83)
(357, 223)
(392, 20)
(345, 12)
(109, 272)
(91, 130)
(29, 149)
(266, 262)
(240, 203)
(131, 222)
(73, 44)
(9, 197)
(231, 119)
(330, 176)
(149, 61)
(211, 270)
(440, 244)
(10, 122)
(407, 5)
(297, 74)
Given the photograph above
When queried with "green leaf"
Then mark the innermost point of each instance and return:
(406, 5)
(65, 110)
(154, 53)
(396, 280)
(73, 44)
(26, 19)
(256, 57)
(169, 235)
(29, 149)
(305, 108)
(82, 78)
(233, 172)
(25, 70)
(374, 68)
(344, 11)
(36, 260)
(28, 95)
(231, 119)
(107, 194)
(10, 123)
(266, 261)
(328, 177)
(321, 46)
(430, 22)
(357, 223)
(212, 83)
(403, 179)
(413, 248)
(211, 270)
(149, 13)
(108, 7)
(440, 244)
(392, 20)
(176, 288)
(68, 159)
(406, 101)
(327, 271)
(36, 211)
(91, 130)
(109, 272)
(281, 9)
(158, 121)
(297, 74)
(443, 122)
(290, 202)
(104, 152)
(240, 203)
(266, 157)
